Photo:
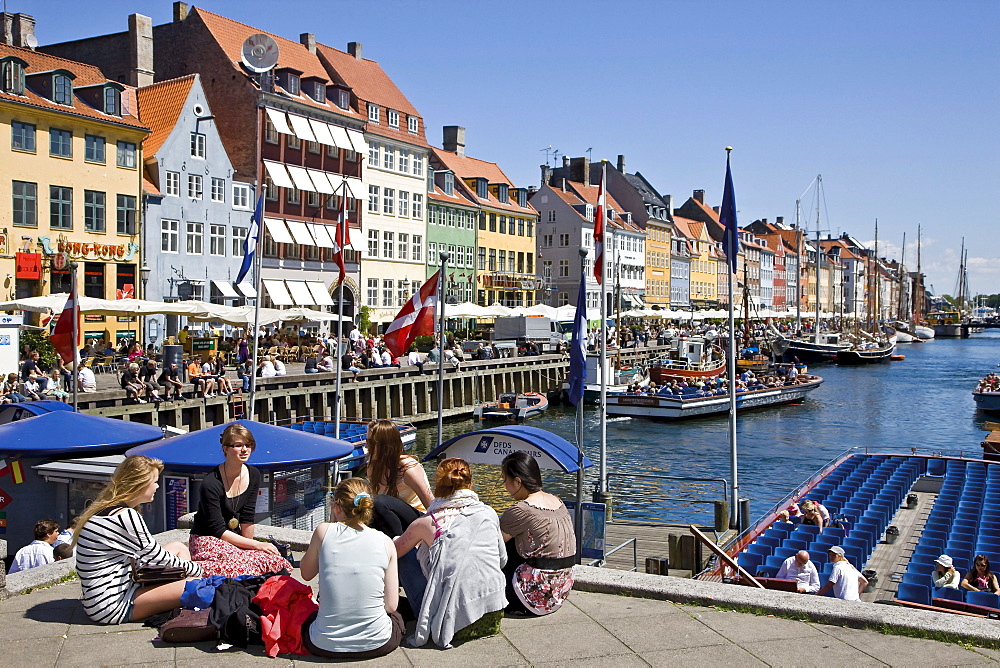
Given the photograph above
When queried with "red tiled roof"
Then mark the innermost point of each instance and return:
(160, 106)
(579, 194)
(148, 187)
(230, 35)
(462, 197)
(469, 168)
(86, 75)
(683, 226)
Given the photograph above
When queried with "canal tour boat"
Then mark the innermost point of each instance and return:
(692, 358)
(877, 499)
(510, 406)
(987, 394)
(355, 431)
(676, 407)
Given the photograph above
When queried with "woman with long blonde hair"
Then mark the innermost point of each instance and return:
(358, 581)
(110, 534)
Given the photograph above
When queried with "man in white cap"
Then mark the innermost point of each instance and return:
(945, 574)
(798, 567)
(845, 580)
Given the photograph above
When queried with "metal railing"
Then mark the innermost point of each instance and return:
(635, 554)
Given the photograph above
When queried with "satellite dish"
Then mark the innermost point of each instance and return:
(31, 41)
(259, 53)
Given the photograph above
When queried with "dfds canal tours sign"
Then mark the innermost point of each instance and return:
(490, 446)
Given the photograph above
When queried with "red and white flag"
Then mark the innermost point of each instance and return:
(599, 233)
(62, 336)
(413, 320)
(343, 237)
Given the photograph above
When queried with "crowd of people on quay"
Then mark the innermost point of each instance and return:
(460, 565)
(991, 383)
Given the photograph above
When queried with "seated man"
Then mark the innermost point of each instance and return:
(169, 379)
(845, 580)
(39, 551)
(198, 379)
(88, 382)
(798, 567)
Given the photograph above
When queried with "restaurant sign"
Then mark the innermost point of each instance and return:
(29, 265)
(88, 250)
(3, 241)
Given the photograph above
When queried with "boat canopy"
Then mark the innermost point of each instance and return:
(63, 432)
(490, 446)
(20, 411)
(278, 448)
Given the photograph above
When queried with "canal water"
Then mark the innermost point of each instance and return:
(924, 401)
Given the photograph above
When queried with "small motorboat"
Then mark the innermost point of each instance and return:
(897, 358)
(511, 406)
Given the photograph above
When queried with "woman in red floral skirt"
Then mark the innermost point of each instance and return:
(222, 534)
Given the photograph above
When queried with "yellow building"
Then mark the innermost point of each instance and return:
(658, 242)
(704, 262)
(505, 240)
(70, 183)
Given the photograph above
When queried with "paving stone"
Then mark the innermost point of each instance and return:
(666, 631)
(990, 653)
(119, 649)
(567, 614)
(204, 653)
(742, 628)
(35, 623)
(820, 650)
(717, 655)
(563, 642)
(66, 595)
(495, 651)
(611, 607)
(81, 624)
(903, 651)
(613, 661)
(30, 653)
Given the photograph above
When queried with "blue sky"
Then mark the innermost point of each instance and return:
(893, 102)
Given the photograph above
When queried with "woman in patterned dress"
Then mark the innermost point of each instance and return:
(541, 544)
(222, 533)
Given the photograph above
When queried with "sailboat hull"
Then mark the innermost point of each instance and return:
(873, 356)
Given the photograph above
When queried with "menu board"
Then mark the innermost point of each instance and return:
(177, 496)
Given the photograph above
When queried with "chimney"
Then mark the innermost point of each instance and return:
(564, 185)
(140, 50)
(565, 162)
(19, 30)
(546, 175)
(669, 199)
(779, 220)
(717, 209)
(621, 163)
(454, 139)
(764, 220)
(180, 11)
(354, 48)
(579, 170)
(699, 196)
(308, 40)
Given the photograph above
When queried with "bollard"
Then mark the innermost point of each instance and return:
(657, 565)
(607, 498)
(721, 516)
(744, 514)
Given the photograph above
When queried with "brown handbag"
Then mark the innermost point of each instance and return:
(188, 626)
(156, 574)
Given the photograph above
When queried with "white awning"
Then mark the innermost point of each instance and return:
(278, 174)
(301, 178)
(321, 182)
(247, 290)
(319, 293)
(300, 233)
(354, 186)
(279, 120)
(322, 235)
(278, 231)
(278, 293)
(357, 141)
(336, 180)
(300, 293)
(340, 138)
(300, 124)
(319, 129)
(226, 288)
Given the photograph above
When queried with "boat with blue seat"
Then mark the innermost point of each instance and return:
(354, 431)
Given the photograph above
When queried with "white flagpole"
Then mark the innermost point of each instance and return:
(440, 381)
(76, 337)
(249, 410)
(340, 313)
(603, 362)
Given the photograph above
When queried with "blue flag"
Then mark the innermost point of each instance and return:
(727, 216)
(253, 236)
(578, 346)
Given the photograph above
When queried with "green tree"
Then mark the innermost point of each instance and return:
(40, 343)
(365, 322)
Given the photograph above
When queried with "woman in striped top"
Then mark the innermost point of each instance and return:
(110, 533)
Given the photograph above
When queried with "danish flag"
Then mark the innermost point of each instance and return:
(413, 320)
(343, 237)
(62, 336)
(599, 233)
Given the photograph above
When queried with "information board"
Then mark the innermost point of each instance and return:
(177, 499)
(594, 520)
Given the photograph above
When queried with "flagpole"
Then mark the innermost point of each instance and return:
(440, 381)
(578, 518)
(250, 411)
(731, 258)
(603, 471)
(76, 338)
(340, 312)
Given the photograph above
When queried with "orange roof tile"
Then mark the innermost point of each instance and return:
(86, 75)
(148, 187)
(469, 168)
(230, 35)
(160, 106)
(683, 226)
(462, 197)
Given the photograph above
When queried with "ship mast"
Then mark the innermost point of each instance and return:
(819, 187)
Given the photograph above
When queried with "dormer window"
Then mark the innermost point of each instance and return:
(343, 99)
(13, 76)
(449, 183)
(112, 101)
(413, 124)
(502, 193)
(393, 117)
(590, 212)
(430, 179)
(292, 82)
(482, 188)
(319, 92)
(373, 113)
(62, 89)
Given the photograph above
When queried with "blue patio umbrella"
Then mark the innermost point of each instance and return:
(490, 446)
(79, 434)
(278, 448)
(27, 409)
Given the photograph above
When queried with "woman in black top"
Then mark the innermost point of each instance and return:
(222, 533)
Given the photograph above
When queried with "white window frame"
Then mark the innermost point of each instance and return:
(388, 201)
(373, 242)
(217, 240)
(194, 238)
(373, 195)
(218, 189)
(417, 210)
(388, 244)
(372, 296)
(392, 117)
(198, 144)
(241, 196)
(389, 157)
(169, 235)
(416, 247)
(373, 113)
(413, 124)
(239, 236)
(172, 184)
(403, 203)
(195, 186)
(404, 246)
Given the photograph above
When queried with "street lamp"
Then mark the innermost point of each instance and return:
(144, 271)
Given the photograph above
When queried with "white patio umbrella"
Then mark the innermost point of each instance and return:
(466, 310)
(542, 309)
(495, 310)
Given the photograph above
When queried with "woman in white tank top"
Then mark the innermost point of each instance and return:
(358, 582)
